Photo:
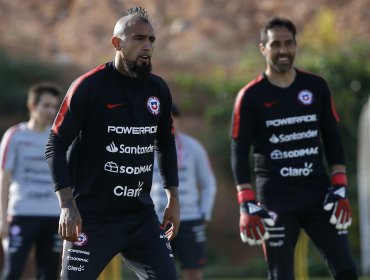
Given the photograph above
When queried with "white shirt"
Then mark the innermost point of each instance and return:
(31, 191)
(197, 183)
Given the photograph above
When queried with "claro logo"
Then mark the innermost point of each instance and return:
(296, 172)
(76, 268)
(128, 192)
(132, 129)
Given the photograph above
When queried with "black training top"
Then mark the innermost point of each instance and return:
(285, 126)
(111, 125)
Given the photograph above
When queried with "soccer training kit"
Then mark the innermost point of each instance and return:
(33, 206)
(288, 128)
(114, 124)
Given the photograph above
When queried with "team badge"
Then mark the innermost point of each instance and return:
(273, 215)
(15, 230)
(153, 105)
(305, 97)
(82, 240)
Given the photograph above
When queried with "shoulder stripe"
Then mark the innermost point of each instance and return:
(67, 100)
(333, 109)
(332, 105)
(9, 136)
(237, 105)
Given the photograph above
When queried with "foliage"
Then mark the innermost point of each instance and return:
(17, 74)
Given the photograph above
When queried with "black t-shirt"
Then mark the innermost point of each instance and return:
(289, 129)
(111, 124)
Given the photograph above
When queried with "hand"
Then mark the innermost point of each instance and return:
(70, 224)
(252, 219)
(337, 201)
(171, 214)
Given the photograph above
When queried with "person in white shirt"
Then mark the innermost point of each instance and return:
(29, 209)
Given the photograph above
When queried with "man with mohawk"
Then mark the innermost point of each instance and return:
(111, 122)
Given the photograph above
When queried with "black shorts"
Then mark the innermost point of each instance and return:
(189, 245)
(331, 243)
(141, 242)
(26, 231)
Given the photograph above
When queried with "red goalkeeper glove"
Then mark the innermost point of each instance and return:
(252, 219)
(337, 200)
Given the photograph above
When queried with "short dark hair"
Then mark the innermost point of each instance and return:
(37, 90)
(139, 11)
(280, 22)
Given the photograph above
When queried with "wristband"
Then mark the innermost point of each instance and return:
(339, 178)
(246, 195)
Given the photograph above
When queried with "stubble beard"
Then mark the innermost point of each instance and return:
(282, 68)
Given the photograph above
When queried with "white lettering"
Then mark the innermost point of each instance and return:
(74, 268)
(291, 120)
(277, 154)
(79, 252)
(135, 170)
(296, 172)
(127, 192)
(281, 138)
(136, 150)
(131, 170)
(132, 129)
(77, 259)
(276, 244)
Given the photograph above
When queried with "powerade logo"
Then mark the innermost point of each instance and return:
(132, 129)
(305, 171)
(291, 120)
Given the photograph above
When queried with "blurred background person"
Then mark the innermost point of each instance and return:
(288, 116)
(197, 190)
(363, 167)
(29, 208)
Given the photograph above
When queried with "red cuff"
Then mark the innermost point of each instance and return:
(246, 195)
(339, 178)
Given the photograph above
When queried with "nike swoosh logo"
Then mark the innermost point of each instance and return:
(270, 104)
(111, 106)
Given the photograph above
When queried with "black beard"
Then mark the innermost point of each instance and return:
(137, 71)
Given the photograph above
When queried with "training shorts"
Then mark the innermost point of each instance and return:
(331, 243)
(141, 242)
(189, 245)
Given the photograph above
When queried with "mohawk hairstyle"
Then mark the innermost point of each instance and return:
(138, 10)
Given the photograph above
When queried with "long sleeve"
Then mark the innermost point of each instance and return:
(165, 145)
(329, 129)
(206, 181)
(65, 129)
(241, 138)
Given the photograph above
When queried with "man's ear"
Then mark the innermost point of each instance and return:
(116, 43)
(262, 48)
(31, 105)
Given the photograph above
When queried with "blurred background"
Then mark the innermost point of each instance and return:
(206, 50)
